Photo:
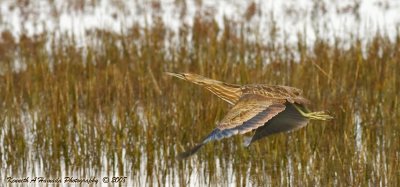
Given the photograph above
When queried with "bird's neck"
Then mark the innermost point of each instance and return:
(228, 92)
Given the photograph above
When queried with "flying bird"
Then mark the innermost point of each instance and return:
(267, 109)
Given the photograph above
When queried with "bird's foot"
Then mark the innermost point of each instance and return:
(320, 115)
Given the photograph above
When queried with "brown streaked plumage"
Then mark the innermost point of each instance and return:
(266, 109)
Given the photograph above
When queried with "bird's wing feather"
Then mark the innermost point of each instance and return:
(251, 108)
(288, 120)
(250, 112)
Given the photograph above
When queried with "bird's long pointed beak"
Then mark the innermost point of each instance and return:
(179, 75)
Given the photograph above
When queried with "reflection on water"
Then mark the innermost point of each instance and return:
(358, 132)
(327, 19)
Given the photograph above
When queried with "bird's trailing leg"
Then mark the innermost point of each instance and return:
(320, 115)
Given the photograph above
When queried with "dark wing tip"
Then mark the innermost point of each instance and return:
(190, 152)
(214, 135)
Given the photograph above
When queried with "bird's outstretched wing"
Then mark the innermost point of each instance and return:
(288, 120)
(250, 112)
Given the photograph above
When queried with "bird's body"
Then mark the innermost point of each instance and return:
(263, 108)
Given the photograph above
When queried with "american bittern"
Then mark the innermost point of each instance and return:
(263, 108)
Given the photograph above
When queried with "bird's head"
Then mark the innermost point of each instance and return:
(197, 79)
